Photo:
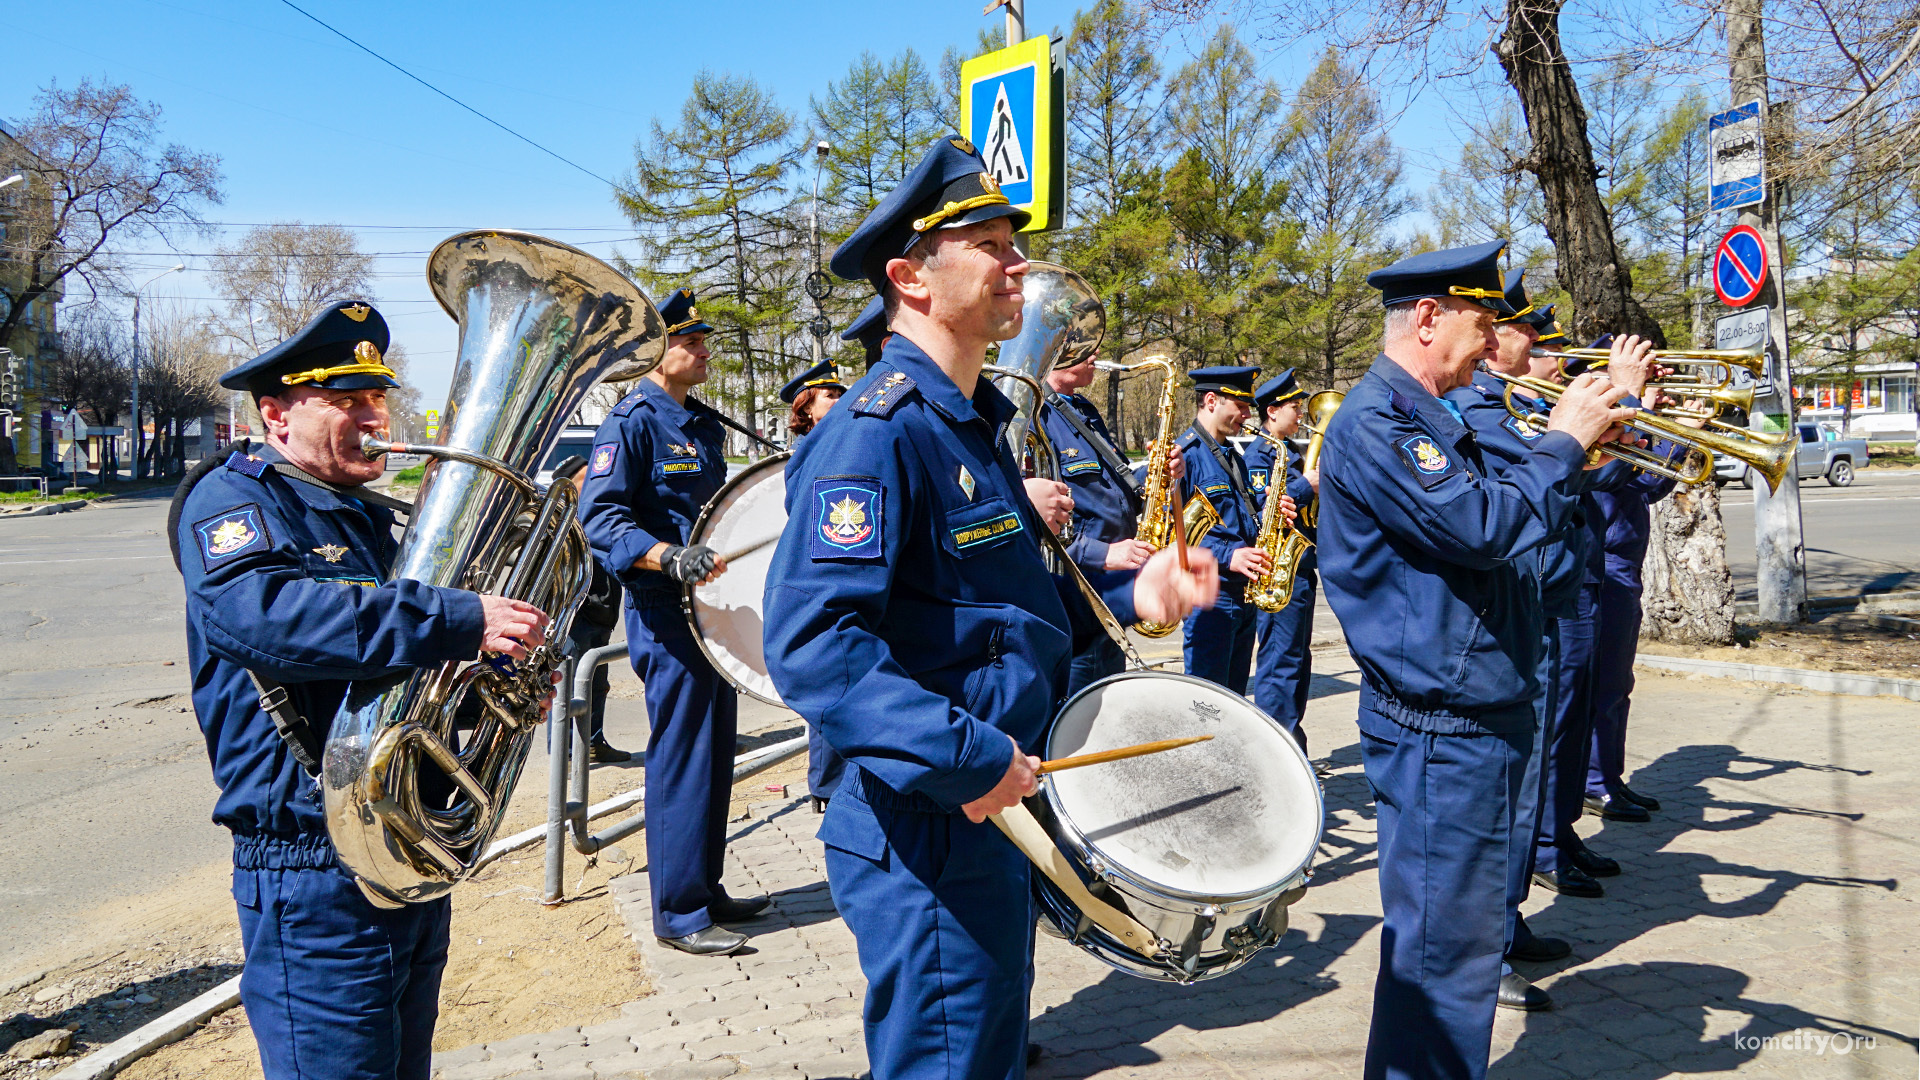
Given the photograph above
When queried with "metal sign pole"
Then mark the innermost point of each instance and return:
(1780, 557)
(1017, 33)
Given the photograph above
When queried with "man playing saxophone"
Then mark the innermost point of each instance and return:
(1107, 500)
(286, 558)
(1284, 661)
(1218, 488)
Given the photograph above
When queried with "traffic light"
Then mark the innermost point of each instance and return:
(9, 380)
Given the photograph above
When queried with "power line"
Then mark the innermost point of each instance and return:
(446, 95)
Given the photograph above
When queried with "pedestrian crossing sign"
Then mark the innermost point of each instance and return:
(1013, 108)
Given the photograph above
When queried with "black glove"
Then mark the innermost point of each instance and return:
(687, 565)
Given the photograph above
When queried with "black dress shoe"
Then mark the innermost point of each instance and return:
(1517, 993)
(1542, 950)
(600, 752)
(1616, 809)
(1595, 864)
(713, 941)
(1569, 881)
(724, 908)
(1632, 796)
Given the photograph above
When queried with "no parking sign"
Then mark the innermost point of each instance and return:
(1740, 266)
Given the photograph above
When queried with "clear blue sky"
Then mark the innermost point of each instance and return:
(311, 129)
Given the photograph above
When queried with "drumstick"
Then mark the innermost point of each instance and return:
(1104, 756)
(741, 553)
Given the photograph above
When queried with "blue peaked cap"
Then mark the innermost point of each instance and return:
(341, 348)
(1470, 273)
(1228, 380)
(823, 373)
(1281, 388)
(950, 187)
(681, 317)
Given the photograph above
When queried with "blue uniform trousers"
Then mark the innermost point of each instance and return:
(335, 988)
(1572, 728)
(1101, 658)
(941, 912)
(693, 721)
(1532, 802)
(1284, 671)
(1219, 646)
(1616, 634)
(1445, 806)
(825, 766)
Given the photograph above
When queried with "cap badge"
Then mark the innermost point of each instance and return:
(963, 146)
(989, 184)
(356, 312)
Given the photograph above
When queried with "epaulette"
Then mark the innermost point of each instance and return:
(248, 465)
(884, 396)
(627, 403)
(1401, 403)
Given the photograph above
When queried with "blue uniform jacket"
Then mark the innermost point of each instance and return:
(1507, 443)
(918, 677)
(1419, 548)
(1104, 506)
(1260, 458)
(1231, 494)
(654, 464)
(1626, 520)
(290, 580)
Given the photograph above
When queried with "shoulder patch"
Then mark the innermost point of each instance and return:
(235, 532)
(1259, 478)
(247, 465)
(1428, 460)
(604, 456)
(1527, 432)
(884, 396)
(847, 518)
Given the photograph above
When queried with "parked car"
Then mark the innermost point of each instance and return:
(574, 440)
(1819, 453)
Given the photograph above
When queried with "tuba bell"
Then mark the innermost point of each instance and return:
(417, 772)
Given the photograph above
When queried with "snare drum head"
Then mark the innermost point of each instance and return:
(726, 612)
(1235, 816)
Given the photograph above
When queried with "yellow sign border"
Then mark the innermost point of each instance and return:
(1037, 53)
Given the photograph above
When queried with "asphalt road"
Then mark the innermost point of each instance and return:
(104, 784)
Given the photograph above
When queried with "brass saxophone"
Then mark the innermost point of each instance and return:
(1156, 518)
(1282, 544)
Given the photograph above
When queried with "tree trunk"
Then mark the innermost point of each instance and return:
(1690, 596)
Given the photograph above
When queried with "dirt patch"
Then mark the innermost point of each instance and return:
(1836, 643)
(514, 966)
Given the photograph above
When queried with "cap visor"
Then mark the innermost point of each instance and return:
(363, 381)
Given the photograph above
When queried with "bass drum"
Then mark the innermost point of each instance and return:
(1205, 846)
(743, 520)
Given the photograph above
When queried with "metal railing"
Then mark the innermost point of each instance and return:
(567, 760)
(39, 480)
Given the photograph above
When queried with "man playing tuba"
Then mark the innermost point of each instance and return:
(286, 559)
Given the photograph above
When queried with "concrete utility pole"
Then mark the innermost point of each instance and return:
(1780, 557)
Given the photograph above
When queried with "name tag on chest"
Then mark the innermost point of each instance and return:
(984, 524)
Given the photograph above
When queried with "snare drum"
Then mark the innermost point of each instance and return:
(744, 518)
(1205, 845)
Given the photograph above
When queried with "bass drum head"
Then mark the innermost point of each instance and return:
(726, 613)
(1237, 816)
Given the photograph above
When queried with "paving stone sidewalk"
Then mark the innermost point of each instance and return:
(1764, 927)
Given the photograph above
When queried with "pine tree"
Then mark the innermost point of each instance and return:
(1344, 189)
(710, 197)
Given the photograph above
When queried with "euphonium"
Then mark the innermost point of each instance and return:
(1282, 544)
(1156, 516)
(1320, 410)
(540, 324)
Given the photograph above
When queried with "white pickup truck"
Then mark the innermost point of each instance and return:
(1820, 454)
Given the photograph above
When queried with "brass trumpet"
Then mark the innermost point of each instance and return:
(1768, 455)
(1724, 360)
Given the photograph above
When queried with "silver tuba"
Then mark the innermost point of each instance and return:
(1061, 323)
(418, 771)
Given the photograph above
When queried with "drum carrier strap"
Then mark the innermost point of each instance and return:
(1032, 840)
